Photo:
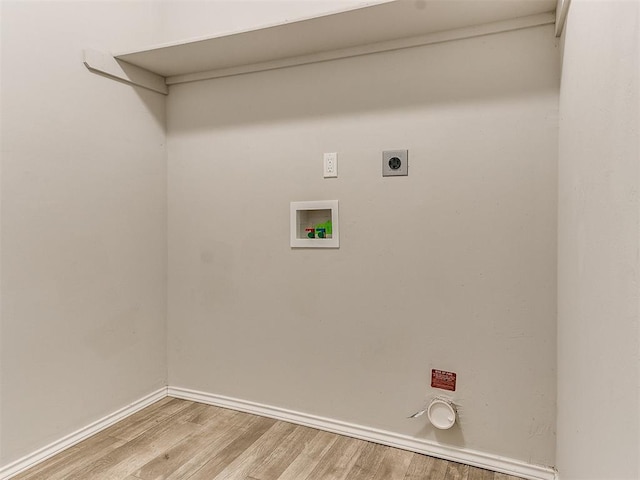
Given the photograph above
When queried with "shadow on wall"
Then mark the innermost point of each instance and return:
(463, 71)
(147, 97)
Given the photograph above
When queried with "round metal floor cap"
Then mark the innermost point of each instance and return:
(441, 414)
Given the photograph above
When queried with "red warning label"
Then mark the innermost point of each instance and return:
(444, 380)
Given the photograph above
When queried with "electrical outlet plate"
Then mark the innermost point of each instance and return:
(395, 163)
(330, 165)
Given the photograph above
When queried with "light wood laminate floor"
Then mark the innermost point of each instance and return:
(178, 439)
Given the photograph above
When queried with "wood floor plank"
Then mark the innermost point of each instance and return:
(257, 453)
(310, 456)
(219, 441)
(128, 458)
(62, 465)
(425, 467)
(232, 451)
(209, 414)
(488, 475)
(284, 454)
(77, 456)
(457, 471)
(183, 440)
(337, 462)
(439, 470)
(476, 473)
(145, 419)
(367, 463)
(188, 455)
(395, 464)
(419, 467)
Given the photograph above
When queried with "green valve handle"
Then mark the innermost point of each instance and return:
(326, 226)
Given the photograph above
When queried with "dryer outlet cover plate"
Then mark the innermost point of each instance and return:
(395, 163)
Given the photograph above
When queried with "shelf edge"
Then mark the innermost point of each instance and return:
(242, 31)
(562, 10)
(417, 41)
(107, 65)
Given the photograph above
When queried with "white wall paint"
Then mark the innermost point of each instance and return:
(452, 267)
(183, 19)
(83, 222)
(599, 266)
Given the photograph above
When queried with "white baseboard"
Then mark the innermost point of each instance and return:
(461, 455)
(50, 450)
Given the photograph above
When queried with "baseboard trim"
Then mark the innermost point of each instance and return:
(70, 440)
(469, 457)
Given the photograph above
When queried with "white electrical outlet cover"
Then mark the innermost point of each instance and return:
(330, 165)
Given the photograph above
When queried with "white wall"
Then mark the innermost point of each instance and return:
(83, 222)
(452, 267)
(183, 19)
(599, 265)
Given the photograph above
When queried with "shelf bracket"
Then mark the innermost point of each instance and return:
(107, 65)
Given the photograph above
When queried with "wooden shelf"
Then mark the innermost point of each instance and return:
(380, 27)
